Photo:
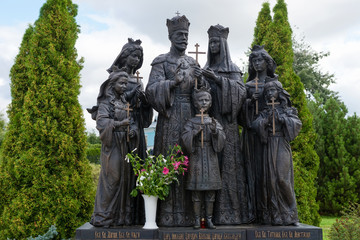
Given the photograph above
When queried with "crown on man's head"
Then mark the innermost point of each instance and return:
(177, 23)
(218, 31)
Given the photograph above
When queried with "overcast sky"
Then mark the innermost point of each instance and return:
(327, 25)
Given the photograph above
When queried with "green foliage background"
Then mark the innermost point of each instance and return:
(45, 177)
(338, 146)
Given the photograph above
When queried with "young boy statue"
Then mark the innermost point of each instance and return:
(203, 137)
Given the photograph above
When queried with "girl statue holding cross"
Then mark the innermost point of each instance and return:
(261, 68)
(277, 125)
(130, 59)
(119, 135)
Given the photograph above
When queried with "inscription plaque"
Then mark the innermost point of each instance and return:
(238, 232)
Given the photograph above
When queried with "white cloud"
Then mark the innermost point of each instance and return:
(330, 25)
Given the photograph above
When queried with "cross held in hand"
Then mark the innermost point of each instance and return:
(128, 109)
(197, 52)
(196, 58)
(138, 77)
(202, 123)
(256, 90)
(273, 103)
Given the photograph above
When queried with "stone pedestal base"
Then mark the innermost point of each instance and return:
(239, 232)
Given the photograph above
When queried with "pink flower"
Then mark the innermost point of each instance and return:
(186, 162)
(143, 170)
(172, 158)
(165, 171)
(185, 169)
(176, 165)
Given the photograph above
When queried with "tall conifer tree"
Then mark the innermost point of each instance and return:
(278, 43)
(262, 24)
(19, 85)
(45, 176)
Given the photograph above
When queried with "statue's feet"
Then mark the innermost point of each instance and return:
(197, 223)
(209, 223)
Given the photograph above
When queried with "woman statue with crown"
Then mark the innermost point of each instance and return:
(233, 201)
(169, 93)
(130, 59)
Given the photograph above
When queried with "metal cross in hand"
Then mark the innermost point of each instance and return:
(273, 103)
(256, 90)
(138, 81)
(196, 57)
(202, 123)
(138, 77)
(128, 109)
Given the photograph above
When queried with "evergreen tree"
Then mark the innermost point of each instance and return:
(19, 85)
(2, 129)
(262, 24)
(93, 148)
(338, 149)
(278, 42)
(45, 177)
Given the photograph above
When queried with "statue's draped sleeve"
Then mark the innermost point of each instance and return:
(158, 90)
(105, 124)
(233, 94)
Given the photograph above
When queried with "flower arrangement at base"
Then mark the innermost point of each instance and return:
(155, 174)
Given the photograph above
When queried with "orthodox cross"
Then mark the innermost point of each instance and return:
(197, 52)
(177, 13)
(256, 90)
(202, 130)
(196, 57)
(138, 76)
(128, 109)
(273, 103)
(138, 81)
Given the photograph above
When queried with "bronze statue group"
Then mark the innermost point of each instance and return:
(232, 179)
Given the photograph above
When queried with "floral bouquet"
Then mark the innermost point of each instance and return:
(156, 173)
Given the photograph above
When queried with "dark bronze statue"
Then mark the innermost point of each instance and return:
(261, 69)
(130, 59)
(203, 137)
(169, 93)
(238, 180)
(233, 202)
(116, 207)
(119, 134)
(277, 125)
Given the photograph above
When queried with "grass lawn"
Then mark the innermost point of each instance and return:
(326, 222)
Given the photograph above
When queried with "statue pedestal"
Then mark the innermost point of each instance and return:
(239, 232)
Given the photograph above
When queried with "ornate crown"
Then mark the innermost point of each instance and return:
(258, 48)
(218, 31)
(203, 89)
(177, 23)
(131, 41)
